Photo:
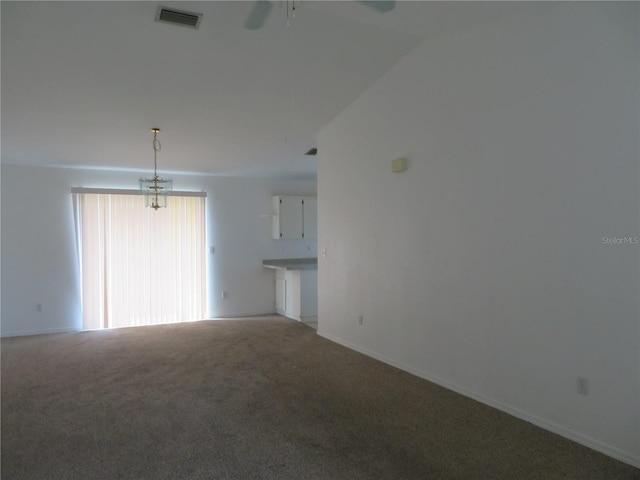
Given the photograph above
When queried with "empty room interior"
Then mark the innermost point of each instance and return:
(344, 239)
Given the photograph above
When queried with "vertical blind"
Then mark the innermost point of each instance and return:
(140, 266)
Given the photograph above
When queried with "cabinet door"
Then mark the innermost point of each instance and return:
(290, 217)
(308, 295)
(310, 218)
(281, 295)
(292, 296)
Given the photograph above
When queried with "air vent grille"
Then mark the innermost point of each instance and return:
(178, 17)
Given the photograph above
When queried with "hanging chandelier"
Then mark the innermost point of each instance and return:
(156, 189)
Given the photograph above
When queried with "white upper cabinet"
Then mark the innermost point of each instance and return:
(289, 222)
(310, 217)
(295, 217)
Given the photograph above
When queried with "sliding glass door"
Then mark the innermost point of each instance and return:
(141, 266)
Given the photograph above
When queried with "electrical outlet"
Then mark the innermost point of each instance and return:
(38, 307)
(360, 320)
(583, 385)
(223, 294)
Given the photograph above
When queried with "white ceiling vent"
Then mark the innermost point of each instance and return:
(178, 17)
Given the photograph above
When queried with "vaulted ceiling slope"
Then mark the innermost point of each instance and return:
(83, 82)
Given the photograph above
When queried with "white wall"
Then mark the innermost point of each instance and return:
(39, 260)
(482, 267)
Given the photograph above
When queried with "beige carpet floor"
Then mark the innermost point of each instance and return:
(261, 398)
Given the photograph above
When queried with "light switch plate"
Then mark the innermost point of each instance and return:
(399, 165)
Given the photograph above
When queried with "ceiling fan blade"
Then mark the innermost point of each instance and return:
(258, 15)
(380, 5)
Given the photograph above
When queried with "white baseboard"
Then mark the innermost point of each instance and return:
(220, 316)
(47, 331)
(608, 450)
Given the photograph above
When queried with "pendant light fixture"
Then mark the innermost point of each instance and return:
(156, 189)
(291, 10)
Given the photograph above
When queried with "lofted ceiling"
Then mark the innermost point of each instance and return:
(83, 82)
